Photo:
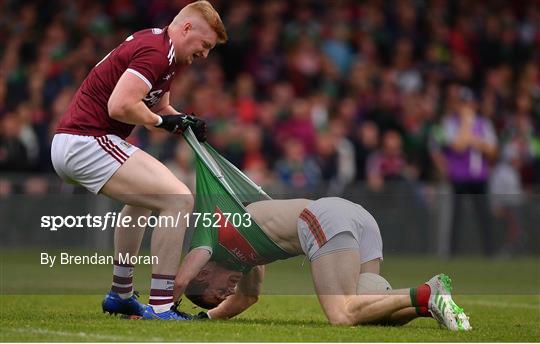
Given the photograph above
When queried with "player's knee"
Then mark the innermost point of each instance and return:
(180, 202)
(177, 202)
(187, 202)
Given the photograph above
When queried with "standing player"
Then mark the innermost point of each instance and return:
(225, 267)
(129, 87)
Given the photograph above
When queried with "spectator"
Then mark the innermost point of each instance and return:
(506, 194)
(388, 163)
(326, 156)
(299, 126)
(265, 61)
(246, 105)
(345, 164)
(296, 169)
(366, 141)
(514, 166)
(470, 145)
(13, 152)
(252, 143)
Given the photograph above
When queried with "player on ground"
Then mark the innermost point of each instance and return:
(129, 87)
(225, 267)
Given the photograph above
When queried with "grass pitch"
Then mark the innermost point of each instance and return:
(63, 304)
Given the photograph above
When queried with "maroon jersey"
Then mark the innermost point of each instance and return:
(148, 54)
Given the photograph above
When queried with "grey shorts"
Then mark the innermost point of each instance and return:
(334, 224)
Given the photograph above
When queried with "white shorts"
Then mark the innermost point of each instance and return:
(334, 224)
(89, 160)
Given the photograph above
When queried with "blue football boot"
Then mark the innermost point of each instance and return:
(172, 314)
(114, 304)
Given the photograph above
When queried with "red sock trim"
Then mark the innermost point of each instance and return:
(420, 296)
(423, 312)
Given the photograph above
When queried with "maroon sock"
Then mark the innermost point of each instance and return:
(161, 292)
(420, 295)
(122, 282)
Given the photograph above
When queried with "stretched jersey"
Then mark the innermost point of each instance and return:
(148, 54)
(238, 248)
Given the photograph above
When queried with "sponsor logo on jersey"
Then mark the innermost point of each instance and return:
(152, 98)
(232, 240)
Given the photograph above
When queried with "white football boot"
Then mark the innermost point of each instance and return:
(443, 308)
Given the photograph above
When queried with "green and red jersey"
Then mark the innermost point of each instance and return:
(238, 248)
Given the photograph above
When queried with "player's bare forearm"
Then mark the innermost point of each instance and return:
(169, 110)
(232, 306)
(246, 295)
(191, 265)
(136, 114)
(165, 110)
(164, 107)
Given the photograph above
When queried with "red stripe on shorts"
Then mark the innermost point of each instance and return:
(317, 225)
(314, 226)
(117, 149)
(100, 141)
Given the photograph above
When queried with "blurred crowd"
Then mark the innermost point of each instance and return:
(305, 92)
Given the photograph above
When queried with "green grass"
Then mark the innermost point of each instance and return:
(63, 304)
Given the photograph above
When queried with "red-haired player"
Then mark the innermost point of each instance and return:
(129, 87)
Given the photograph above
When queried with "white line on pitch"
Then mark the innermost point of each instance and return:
(76, 334)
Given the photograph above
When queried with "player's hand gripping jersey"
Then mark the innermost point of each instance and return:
(148, 54)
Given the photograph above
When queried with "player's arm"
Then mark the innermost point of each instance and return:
(247, 293)
(191, 265)
(164, 109)
(164, 106)
(126, 105)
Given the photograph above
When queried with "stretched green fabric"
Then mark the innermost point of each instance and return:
(243, 187)
(222, 224)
